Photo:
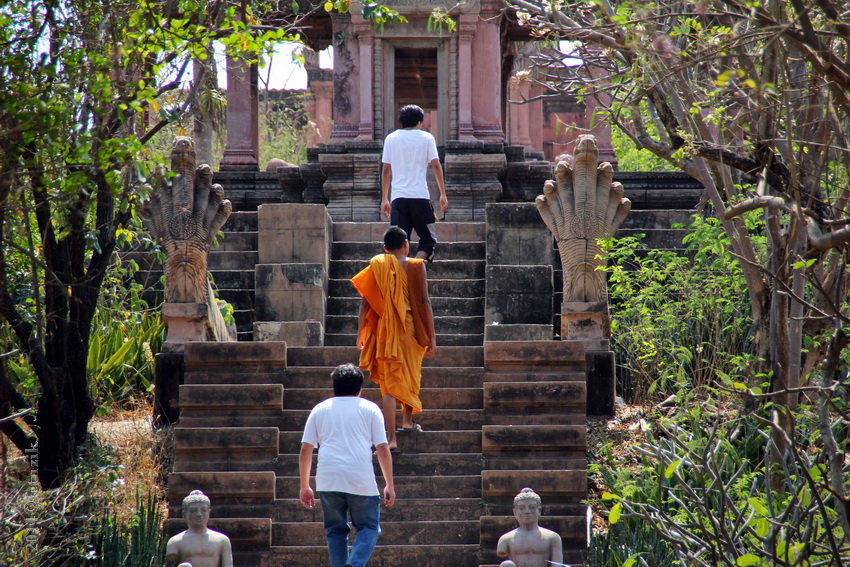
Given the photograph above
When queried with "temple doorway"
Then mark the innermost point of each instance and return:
(415, 75)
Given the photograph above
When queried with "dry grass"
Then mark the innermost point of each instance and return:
(141, 454)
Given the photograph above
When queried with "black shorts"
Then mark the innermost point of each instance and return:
(418, 215)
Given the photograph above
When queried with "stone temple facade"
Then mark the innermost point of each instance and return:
(493, 145)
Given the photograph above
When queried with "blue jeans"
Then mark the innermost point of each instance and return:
(365, 514)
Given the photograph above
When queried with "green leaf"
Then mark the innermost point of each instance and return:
(757, 505)
(671, 468)
(748, 559)
(614, 514)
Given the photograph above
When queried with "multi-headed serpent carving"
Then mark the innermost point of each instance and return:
(580, 206)
(184, 215)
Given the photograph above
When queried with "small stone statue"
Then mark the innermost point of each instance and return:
(529, 545)
(198, 546)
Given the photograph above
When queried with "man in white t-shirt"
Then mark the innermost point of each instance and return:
(345, 428)
(407, 154)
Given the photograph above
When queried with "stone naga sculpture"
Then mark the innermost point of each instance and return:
(581, 206)
(183, 216)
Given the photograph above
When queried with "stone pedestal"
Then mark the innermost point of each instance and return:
(186, 322)
(585, 320)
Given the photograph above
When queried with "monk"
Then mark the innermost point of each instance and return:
(396, 328)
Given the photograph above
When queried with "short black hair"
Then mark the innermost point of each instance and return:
(394, 238)
(347, 379)
(410, 116)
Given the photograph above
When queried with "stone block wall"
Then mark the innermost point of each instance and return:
(291, 280)
(519, 281)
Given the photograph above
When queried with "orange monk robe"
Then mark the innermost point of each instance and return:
(388, 348)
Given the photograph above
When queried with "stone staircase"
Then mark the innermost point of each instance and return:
(499, 415)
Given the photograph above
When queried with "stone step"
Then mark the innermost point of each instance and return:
(232, 260)
(452, 340)
(443, 398)
(453, 486)
(238, 241)
(468, 323)
(470, 288)
(374, 231)
(392, 532)
(441, 269)
(432, 377)
(533, 438)
(233, 279)
(442, 306)
(568, 461)
(242, 299)
(541, 375)
(423, 464)
(547, 396)
(551, 485)
(445, 250)
(430, 420)
(241, 221)
(211, 399)
(225, 443)
(419, 442)
(223, 488)
(239, 376)
(405, 509)
(266, 355)
(384, 556)
(449, 356)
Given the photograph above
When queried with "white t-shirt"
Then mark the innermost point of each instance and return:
(409, 152)
(345, 428)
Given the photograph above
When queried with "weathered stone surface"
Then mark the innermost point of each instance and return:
(519, 355)
(585, 321)
(294, 233)
(601, 382)
(203, 398)
(256, 441)
(517, 236)
(290, 292)
(517, 332)
(546, 483)
(518, 295)
(169, 378)
(224, 487)
(551, 437)
(244, 533)
(235, 355)
(534, 394)
(293, 333)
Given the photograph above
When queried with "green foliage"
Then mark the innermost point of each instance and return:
(632, 158)
(703, 495)
(284, 130)
(679, 317)
(80, 523)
